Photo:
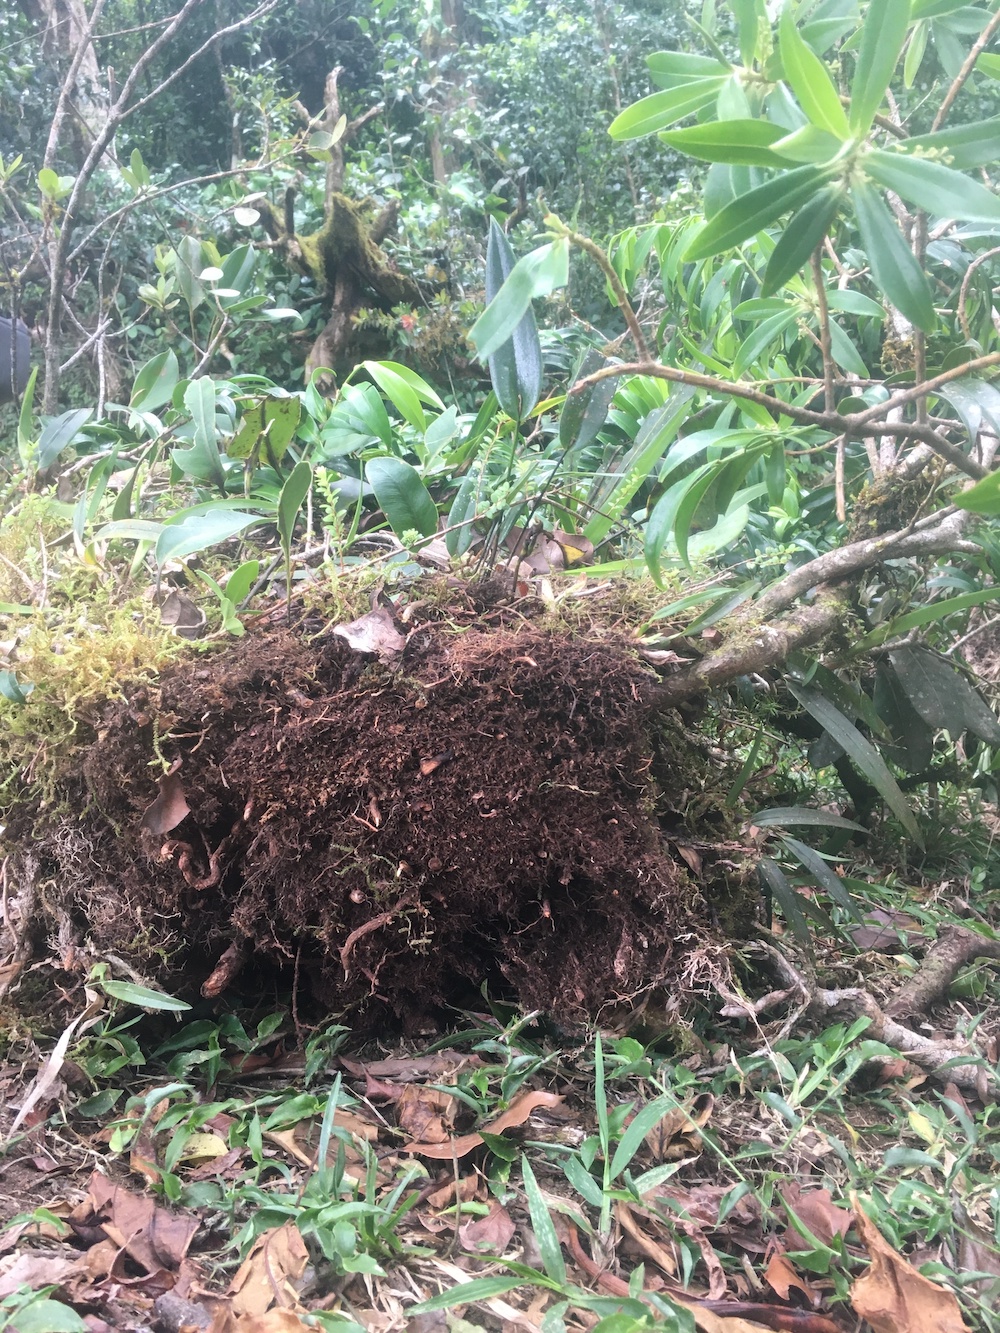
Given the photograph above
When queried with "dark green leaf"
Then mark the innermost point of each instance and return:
(882, 38)
(188, 265)
(821, 874)
(201, 461)
(845, 353)
(516, 366)
(942, 695)
(800, 238)
(895, 270)
(585, 413)
(59, 433)
(402, 496)
(542, 1225)
(861, 753)
(937, 189)
(913, 739)
(291, 499)
(746, 216)
(783, 816)
(11, 688)
(790, 902)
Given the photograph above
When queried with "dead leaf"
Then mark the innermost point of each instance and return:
(894, 1297)
(273, 1321)
(460, 1191)
(781, 1277)
(490, 1234)
(170, 805)
(817, 1212)
(374, 633)
(677, 1134)
(36, 1269)
(264, 1279)
(180, 614)
(47, 1075)
(516, 1114)
(409, 1067)
(426, 1113)
(155, 1238)
(888, 931)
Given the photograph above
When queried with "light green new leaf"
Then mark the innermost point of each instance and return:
(409, 377)
(861, 752)
(659, 110)
(966, 146)
(989, 65)
(746, 216)
(535, 274)
(155, 383)
(915, 51)
(464, 1293)
(895, 270)
(743, 142)
(983, 498)
(809, 143)
(402, 395)
(402, 496)
(809, 79)
(800, 238)
(882, 38)
(937, 189)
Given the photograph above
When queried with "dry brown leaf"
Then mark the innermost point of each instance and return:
(676, 1135)
(894, 1297)
(178, 611)
(374, 633)
(273, 1321)
(817, 1212)
(36, 1269)
(492, 1233)
(466, 1188)
(781, 1277)
(409, 1067)
(170, 806)
(155, 1238)
(426, 1113)
(516, 1114)
(265, 1278)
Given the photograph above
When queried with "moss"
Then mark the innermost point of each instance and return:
(886, 504)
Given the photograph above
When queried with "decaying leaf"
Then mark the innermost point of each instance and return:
(374, 633)
(894, 1297)
(817, 1212)
(516, 1114)
(266, 1277)
(426, 1113)
(170, 805)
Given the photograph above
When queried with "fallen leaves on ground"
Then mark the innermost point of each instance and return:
(894, 1297)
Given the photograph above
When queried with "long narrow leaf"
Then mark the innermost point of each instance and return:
(809, 79)
(750, 213)
(882, 40)
(934, 187)
(659, 110)
(861, 753)
(542, 1225)
(896, 271)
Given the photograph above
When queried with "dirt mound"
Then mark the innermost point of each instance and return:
(488, 807)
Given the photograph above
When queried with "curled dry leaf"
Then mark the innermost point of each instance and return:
(169, 807)
(374, 633)
(817, 1212)
(266, 1277)
(426, 1113)
(516, 1114)
(894, 1297)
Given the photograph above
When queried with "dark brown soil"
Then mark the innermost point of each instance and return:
(489, 808)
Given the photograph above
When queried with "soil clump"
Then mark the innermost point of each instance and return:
(488, 807)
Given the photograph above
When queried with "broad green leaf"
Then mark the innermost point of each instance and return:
(440, 433)
(785, 815)
(542, 1226)
(861, 752)
(942, 695)
(668, 68)
(188, 264)
(854, 303)
(416, 382)
(459, 527)
(894, 268)
(810, 80)
(722, 536)
(47, 1316)
(739, 141)
(965, 147)
(238, 270)
(291, 499)
(400, 393)
(402, 496)
(269, 425)
(155, 383)
(807, 144)
(535, 274)
(142, 996)
(804, 232)
(585, 413)
(10, 687)
(195, 532)
(660, 524)
(241, 580)
(983, 498)
(989, 64)
(358, 421)
(642, 1123)
(938, 190)
(130, 529)
(882, 37)
(748, 18)
(746, 216)
(201, 461)
(58, 434)
(660, 110)
(516, 365)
